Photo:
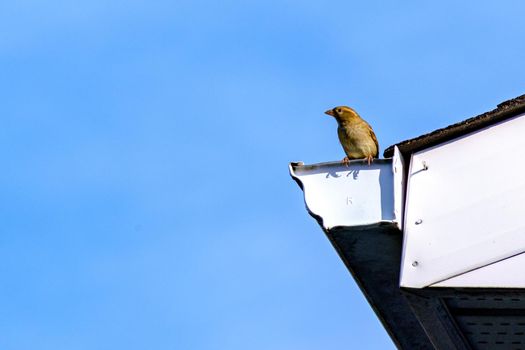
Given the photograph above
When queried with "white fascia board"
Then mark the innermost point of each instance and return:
(465, 205)
(506, 273)
(357, 195)
(398, 165)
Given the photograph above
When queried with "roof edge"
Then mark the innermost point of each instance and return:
(504, 110)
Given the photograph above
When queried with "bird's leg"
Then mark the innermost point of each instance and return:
(346, 161)
(369, 159)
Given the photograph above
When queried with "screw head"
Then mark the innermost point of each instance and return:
(415, 263)
(419, 222)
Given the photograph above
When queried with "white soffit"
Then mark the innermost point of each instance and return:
(465, 205)
(357, 195)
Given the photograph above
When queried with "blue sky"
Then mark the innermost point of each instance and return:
(144, 193)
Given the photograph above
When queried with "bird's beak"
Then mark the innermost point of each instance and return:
(329, 112)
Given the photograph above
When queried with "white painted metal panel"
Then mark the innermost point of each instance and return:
(505, 273)
(465, 205)
(348, 196)
(399, 186)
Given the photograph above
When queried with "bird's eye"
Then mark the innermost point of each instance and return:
(338, 110)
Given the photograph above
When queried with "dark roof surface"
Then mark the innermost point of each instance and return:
(505, 110)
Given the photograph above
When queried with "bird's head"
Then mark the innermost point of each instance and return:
(341, 113)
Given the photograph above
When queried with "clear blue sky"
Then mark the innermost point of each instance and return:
(145, 196)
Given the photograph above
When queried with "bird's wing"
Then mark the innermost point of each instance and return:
(373, 136)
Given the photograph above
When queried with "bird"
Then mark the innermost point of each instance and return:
(355, 134)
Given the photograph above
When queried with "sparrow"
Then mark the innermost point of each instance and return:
(355, 134)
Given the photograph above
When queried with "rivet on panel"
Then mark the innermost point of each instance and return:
(415, 263)
(419, 222)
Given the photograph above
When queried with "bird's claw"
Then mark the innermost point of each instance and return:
(346, 161)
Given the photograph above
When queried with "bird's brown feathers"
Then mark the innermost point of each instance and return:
(373, 136)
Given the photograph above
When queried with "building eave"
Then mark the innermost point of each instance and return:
(459, 286)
